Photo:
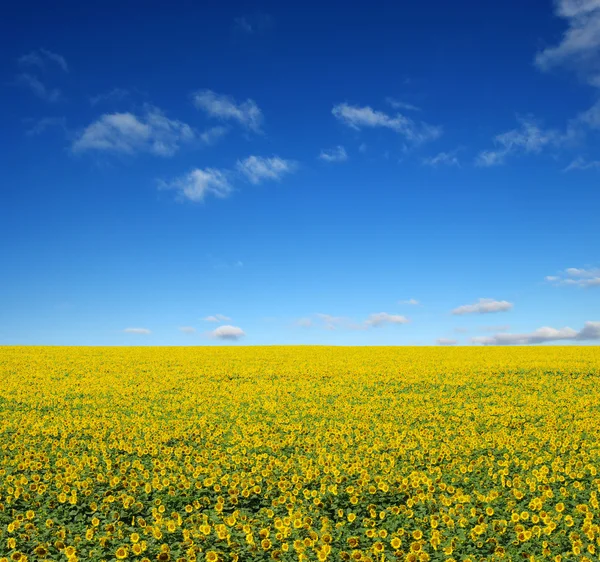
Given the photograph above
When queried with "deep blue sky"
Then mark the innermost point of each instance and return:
(297, 167)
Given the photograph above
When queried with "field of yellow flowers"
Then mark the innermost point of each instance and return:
(299, 453)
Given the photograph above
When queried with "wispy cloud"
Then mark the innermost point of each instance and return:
(257, 169)
(39, 88)
(578, 277)
(580, 45)
(41, 57)
(228, 333)
(39, 126)
(214, 134)
(224, 107)
(382, 318)
(501, 328)
(483, 306)
(198, 184)
(589, 332)
(528, 138)
(187, 329)
(112, 96)
(330, 322)
(583, 164)
(446, 341)
(337, 154)
(217, 318)
(442, 158)
(413, 302)
(142, 331)
(398, 104)
(253, 24)
(127, 133)
(357, 117)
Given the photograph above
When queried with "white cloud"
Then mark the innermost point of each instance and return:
(144, 331)
(198, 184)
(256, 169)
(446, 341)
(580, 45)
(374, 320)
(382, 318)
(127, 133)
(224, 107)
(581, 164)
(337, 154)
(42, 125)
(187, 329)
(358, 118)
(228, 333)
(413, 302)
(589, 332)
(445, 158)
(38, 88)
(398, 104)
(41, 57)
(501, 328)
(483, 306)
(304, 322)
(212, 135)
(578, 277)
(114, 95)
(528, 138)
(217, 318)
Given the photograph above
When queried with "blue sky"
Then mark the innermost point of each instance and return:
(207, 173)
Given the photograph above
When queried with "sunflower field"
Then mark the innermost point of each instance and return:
(299, 453)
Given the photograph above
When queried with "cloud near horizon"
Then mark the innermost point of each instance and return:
(589, 332)
(578, 277)
(483, 306)
(228, 333)
(142, 331)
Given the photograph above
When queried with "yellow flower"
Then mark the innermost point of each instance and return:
(121, 553)
(211, 556)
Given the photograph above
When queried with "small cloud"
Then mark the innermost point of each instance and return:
(217, 318)
(42, 125)
(213, 135)
(577, 277)
(198, 184)
(381, 318)
(224, 107)
(257, 169)
(446, 341)
(187, 330)
(501, 328)
(127, 133)
(483, 306)
(582, 164)
(114, 95)
(337, 154)
(357, 118)
(413, 302)
(38, 88)
(443, 158)
(228, 333)
(362, 148)
(334, 322)
(253, 24)
(589, 332)
(40, 57)
(143, 331)
(304, 322)
(528, 138)
(398, 104)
